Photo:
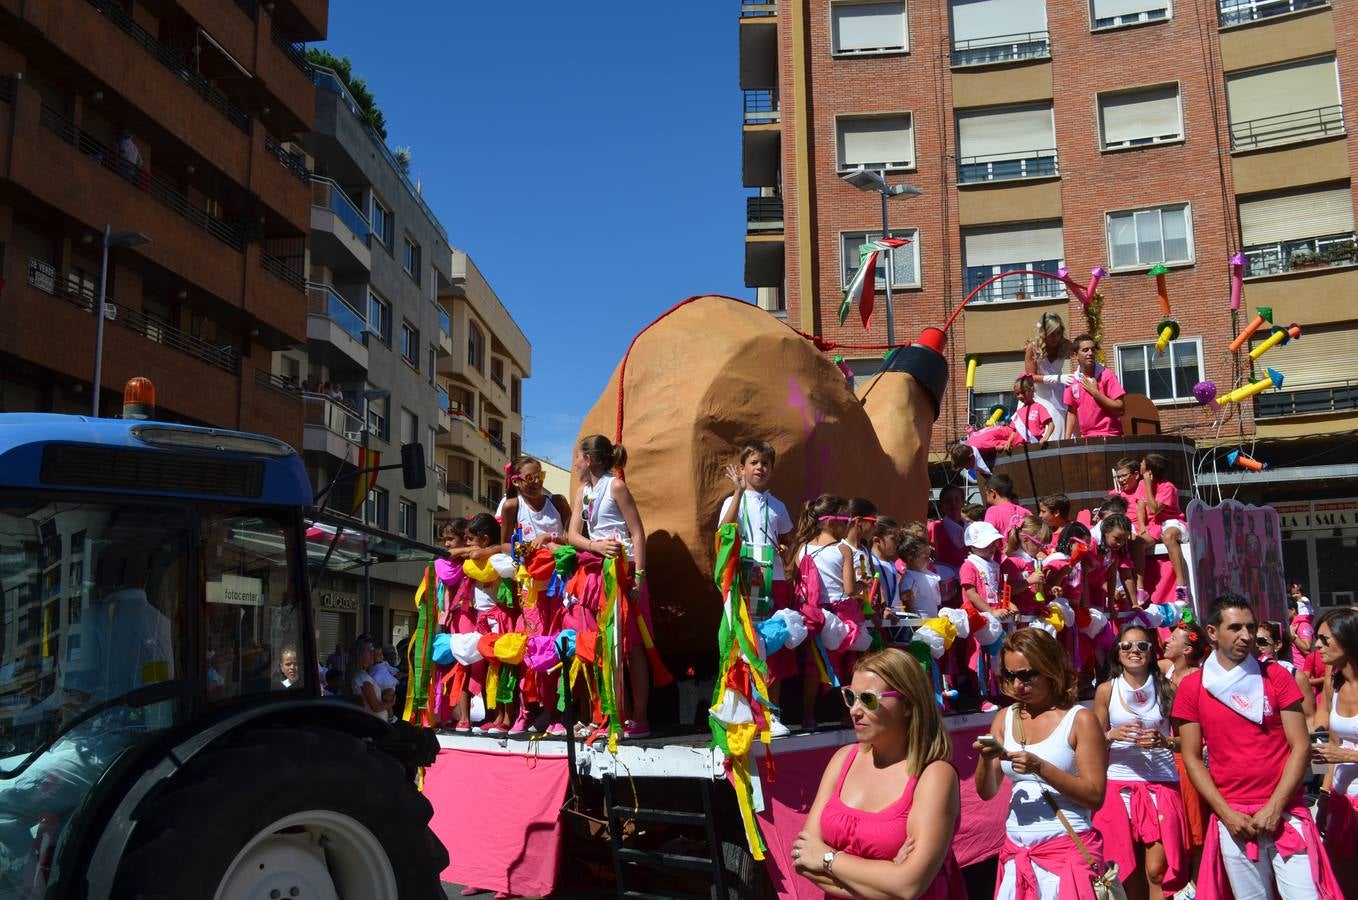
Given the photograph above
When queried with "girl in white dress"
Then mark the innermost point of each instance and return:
(1046, 357)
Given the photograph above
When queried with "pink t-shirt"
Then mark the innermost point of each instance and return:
(948, 550)
(1094, 420)
(971, 577)
(1246, 759)
(1001, 515)
(1167, 495)
(1031, 420)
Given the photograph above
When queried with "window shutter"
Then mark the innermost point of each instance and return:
(1140, 115)
(1324, 357)
(995, 373)
(1286, 89)
(1111, 9)
(1292, 216)
(1015, 133)
(1006, 246)
(976, 20)
(868, 26)
(875, 141)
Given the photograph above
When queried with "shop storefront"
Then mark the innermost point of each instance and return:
(1320, 548)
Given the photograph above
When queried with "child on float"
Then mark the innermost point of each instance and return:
(919, 591)
(973, 512)
(1025, 546)
(1054, 510)
(946, 533)
(483, 537)
(1159, 520)
(1001, 502)
(1114, 542)
(982, 594)
(608, 523)
(1032, 422)
(824, 581)
(765, 528)
(458, 616)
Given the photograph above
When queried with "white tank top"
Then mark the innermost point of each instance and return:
(1345, 730)
(602, 514)
(1051, 396)
(534, 522)
(1138, 706)
(829, 562)
(1030, 816)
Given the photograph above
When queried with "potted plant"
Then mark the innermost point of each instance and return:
(1340, 252)
(1306, 259)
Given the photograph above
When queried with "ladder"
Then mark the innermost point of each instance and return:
(624, 858)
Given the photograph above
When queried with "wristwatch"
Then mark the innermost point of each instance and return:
(828, 860)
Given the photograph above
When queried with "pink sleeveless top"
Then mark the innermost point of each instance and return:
(880, 834)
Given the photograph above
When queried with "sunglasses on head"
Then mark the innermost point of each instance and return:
(1027, 676)
(1129, 646)
(870, 699)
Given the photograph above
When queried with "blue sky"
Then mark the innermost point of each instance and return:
(586, 156)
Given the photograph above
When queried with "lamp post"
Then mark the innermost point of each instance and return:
(875, 180)
(111, 239)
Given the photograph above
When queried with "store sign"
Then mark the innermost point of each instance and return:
(338, 600)
(1318, 514)
(236, 590)
(42, 275)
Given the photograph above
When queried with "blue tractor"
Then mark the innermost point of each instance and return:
(162, 728)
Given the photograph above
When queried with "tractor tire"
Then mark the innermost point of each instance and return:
(300, 813)
(746, 879)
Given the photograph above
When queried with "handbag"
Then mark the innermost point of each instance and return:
(1107, 886)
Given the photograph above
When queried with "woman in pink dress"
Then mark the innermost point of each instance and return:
(886, 814)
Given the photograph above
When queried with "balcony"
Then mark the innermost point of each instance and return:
(1300, 255)
(1006, 167)
(758, 44)
(757, 9)
(162, 189)
(340, 231)
(172, 60)
(336, 329)
(441, 487)
(464, 435)
(295, 51)
(1015, 287)
(445, 419)
(1002, 48)
(290, 161)
(331, 428)
(1287, 128)
(1341, 397)
(763, 214)
(445, 342)
(1238, 12)
(761, 106)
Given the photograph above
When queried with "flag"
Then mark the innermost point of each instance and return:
(363, 484)
(864, 285)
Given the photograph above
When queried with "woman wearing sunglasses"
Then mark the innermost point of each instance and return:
(885, 817)
(1142, 816)
(1052, 750)
(1337, 747)
(1273, 642)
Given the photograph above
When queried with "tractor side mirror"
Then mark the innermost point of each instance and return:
(413, 474)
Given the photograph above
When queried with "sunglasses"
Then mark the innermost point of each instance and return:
(1129, 646)
(1027, 676)
(870, 699)
(1324, 639)
(1263, 642)
(834, 519)
(530, 479)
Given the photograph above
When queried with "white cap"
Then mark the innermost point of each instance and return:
(981, 534)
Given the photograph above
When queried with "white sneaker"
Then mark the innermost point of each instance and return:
(1187, 892)
(777, 728)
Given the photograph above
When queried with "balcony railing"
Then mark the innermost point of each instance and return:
(444, 402)
(327, 79)
(1305, 253)
(278, 383)
(497, 442)
(158, 186)
(153, 328)
(290, 161)
(249, 7)
(1236, 12)
(295, 51)
(498, 380)
(6, 89)
(1133, 18)
(441, 476)
(1001, 48)
(324, 300)
(326, 194)
(764, 213)
(458, 411)
(333, 417)
(754, 9)
(1006, 167)
(279, 268)
(487, 501)
(173, 60)
(1303, 125)
(761, 106)
(1341, 397)
(445, 323)
(461, 487)
(1015, 287)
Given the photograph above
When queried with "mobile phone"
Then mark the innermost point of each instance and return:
(989, 740)
(1320, 736)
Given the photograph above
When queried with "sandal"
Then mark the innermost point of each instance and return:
(583, 730)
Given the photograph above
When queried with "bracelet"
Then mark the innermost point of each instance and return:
(640, 574)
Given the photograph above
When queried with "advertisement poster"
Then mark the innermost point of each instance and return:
(1237, 548)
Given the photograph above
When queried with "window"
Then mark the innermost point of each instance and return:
(1119, 13)
(375, 508)
(869, 27)
(1004, 144)
(497, 370)
(875, 142)
(1278, 105)
(378, 425)
(461, 402)
(410, 345)
(515, 446)
(1140, 117)
(411, 260)
(905, 268)
(379, 318)
(476, 347)
(1311, 227)
(1141, 238)
(1165, 377)
(461, 475)
(515, 394)
(996, 31)
(1234, 12)
(405, 518)
(381, 221)
(410, 427)
(988, 252)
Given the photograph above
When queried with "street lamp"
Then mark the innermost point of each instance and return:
(111, 239)
(873, 180)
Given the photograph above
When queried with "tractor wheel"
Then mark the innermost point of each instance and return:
(283, 813)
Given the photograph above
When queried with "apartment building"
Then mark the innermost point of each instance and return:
(164, 124)
(483, 382)
(1113, 133)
